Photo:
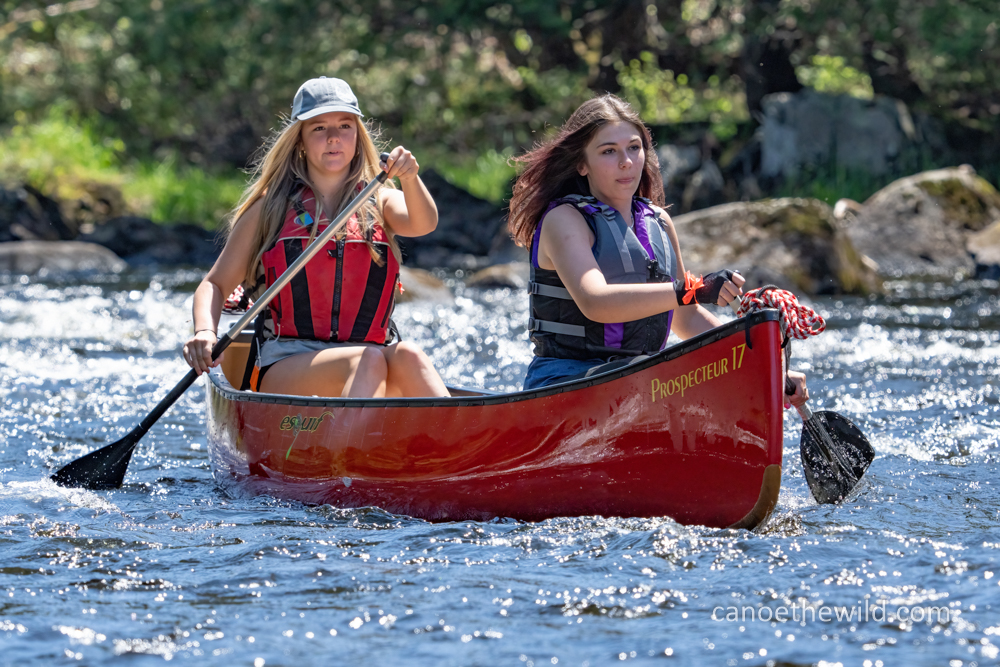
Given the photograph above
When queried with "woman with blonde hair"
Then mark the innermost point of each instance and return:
(328, 332)
(607, 279)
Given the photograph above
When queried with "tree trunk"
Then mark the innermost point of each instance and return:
(891, 76)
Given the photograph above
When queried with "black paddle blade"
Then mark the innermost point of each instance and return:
(101, 469)
(832, 478)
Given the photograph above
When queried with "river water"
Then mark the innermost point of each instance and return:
(173, 567)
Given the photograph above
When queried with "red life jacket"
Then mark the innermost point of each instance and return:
(341, 294)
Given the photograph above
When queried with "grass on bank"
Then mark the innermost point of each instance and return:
(63, 157)
(488, 176)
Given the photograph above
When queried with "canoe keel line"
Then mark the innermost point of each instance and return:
(694, 433)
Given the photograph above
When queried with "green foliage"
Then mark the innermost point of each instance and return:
(165, 193)
(64, 156)
(830, 183)
(488, 176)
(465, 82)
(831, 74)
(947, 48)
(58, 154)
(661, 97)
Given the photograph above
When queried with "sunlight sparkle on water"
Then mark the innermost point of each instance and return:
(178, 565)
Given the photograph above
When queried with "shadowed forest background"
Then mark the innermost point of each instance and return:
(154, 107)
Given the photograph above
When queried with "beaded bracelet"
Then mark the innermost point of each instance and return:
(198, 331)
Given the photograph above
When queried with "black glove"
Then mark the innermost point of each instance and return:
(692, 291)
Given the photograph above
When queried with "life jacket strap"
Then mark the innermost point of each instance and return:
(556, 328)
(549, 291)
(251, 372)
(655, 275)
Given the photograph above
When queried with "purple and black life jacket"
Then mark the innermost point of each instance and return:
(559, 329)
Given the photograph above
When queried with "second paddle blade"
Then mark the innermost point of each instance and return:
(831, 481)
(102, 469)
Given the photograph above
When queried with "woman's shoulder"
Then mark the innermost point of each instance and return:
(658, 211)
(564, 210)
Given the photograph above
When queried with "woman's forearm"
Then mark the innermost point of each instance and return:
(691, 321)
(627, 302)
(420, 207)
(207, 308)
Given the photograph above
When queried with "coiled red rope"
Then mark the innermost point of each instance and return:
(237, 301)
(797, 321)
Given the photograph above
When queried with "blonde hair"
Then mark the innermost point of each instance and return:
(277, 176)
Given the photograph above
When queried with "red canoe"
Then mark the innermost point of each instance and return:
(693, 433)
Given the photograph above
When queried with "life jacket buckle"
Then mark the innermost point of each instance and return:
(654, 273)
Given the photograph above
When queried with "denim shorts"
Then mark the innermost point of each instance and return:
(543, 371)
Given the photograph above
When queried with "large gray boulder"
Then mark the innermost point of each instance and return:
(796, 244)
(46, 258)
(921, 225)
(811, 129)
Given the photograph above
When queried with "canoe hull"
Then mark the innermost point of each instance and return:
(694, 433)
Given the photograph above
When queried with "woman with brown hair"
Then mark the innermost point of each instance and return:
(607, 277)
(327, 333)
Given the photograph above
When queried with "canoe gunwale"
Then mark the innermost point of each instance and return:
(695, 342)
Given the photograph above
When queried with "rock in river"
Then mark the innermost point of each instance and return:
(420, 285)
(512, 274)
(924, 224)
(56, 257)
(796, 244)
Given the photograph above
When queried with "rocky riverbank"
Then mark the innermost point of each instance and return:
(942, 224)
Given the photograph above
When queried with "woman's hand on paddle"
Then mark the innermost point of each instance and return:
(731, 289)
(198, 351)
(801, 395)
(401, 164)
(411, 212)
(719, 288)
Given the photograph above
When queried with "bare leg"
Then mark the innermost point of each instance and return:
(352, 371)
(410, 372)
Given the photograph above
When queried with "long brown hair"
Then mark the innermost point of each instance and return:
(551, 167)
(277, 175)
